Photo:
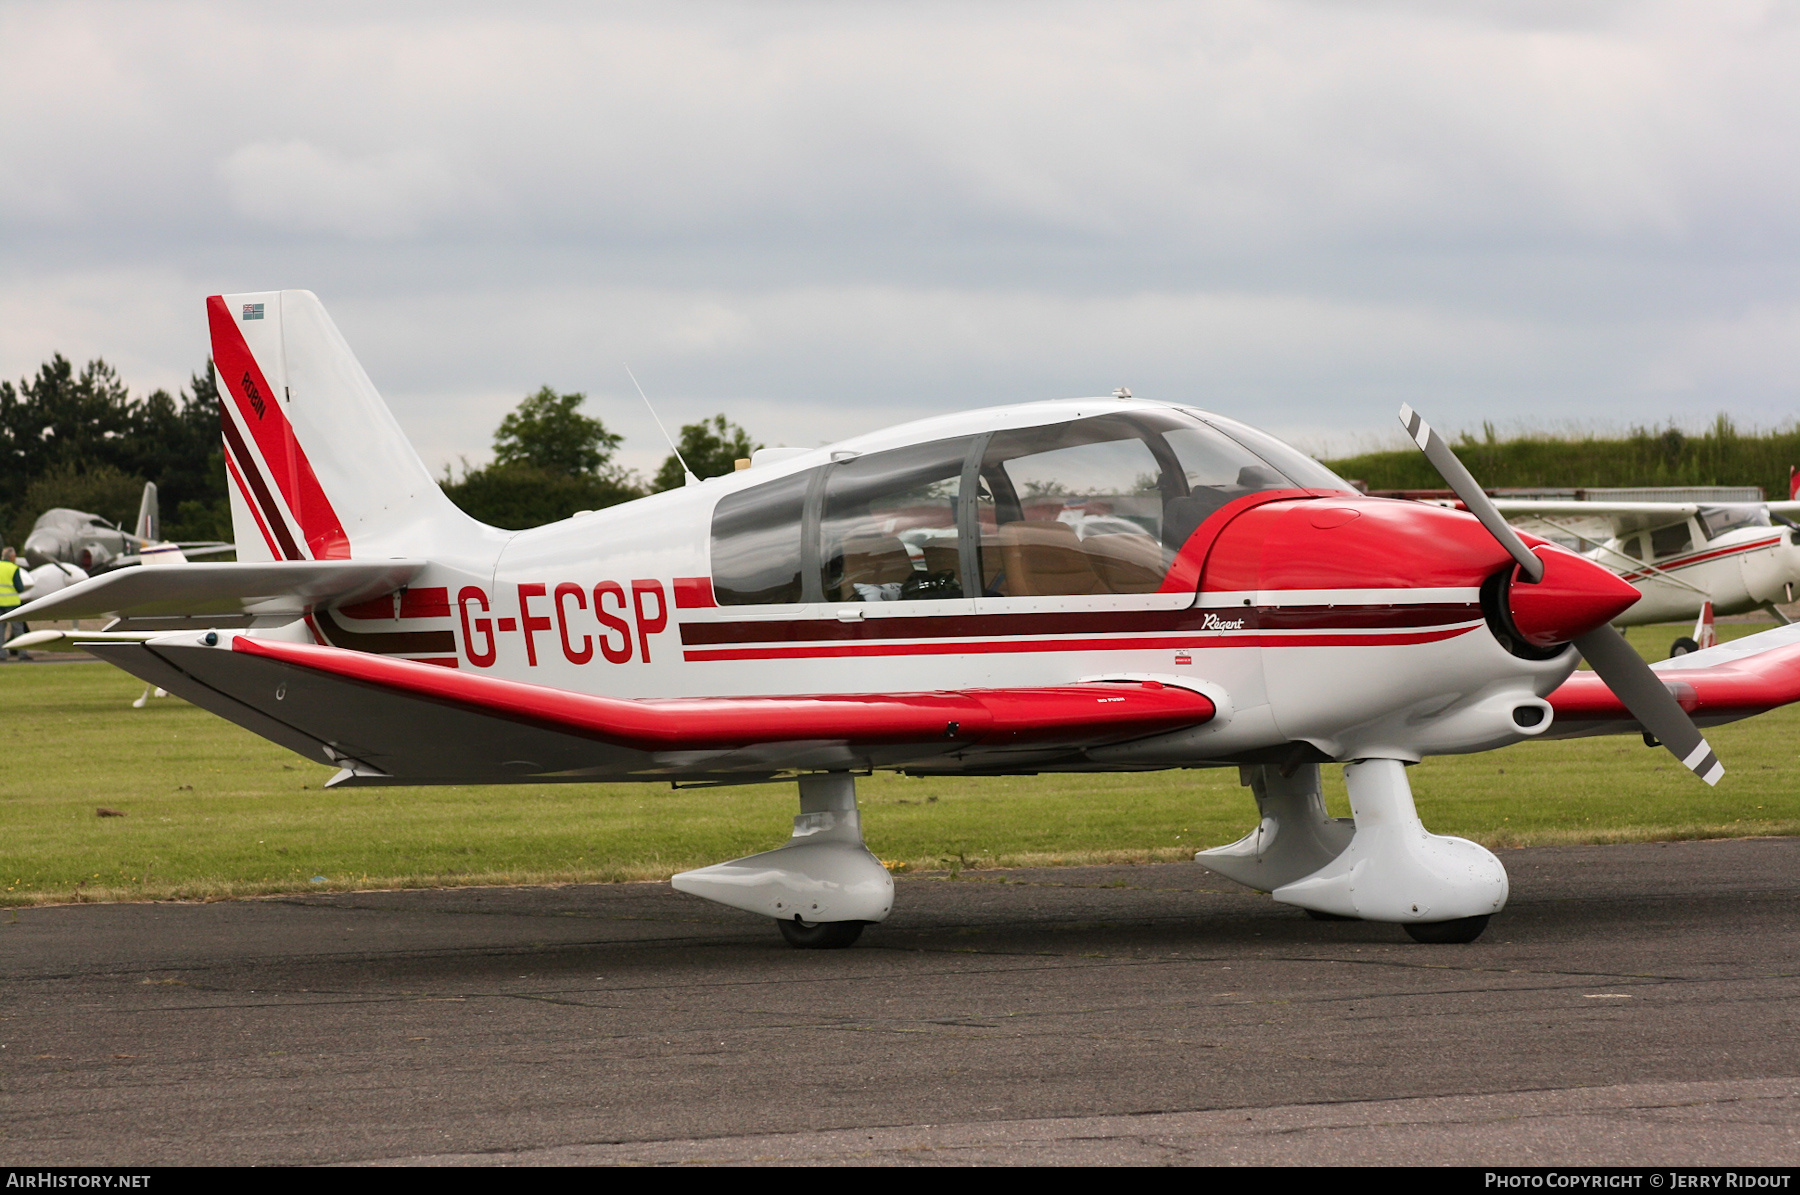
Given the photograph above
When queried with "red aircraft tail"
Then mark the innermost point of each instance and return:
(319, 469)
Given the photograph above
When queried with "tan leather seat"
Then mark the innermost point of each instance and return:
(942, 556)
(1042, 558)
(872, 560)
(1126, 563)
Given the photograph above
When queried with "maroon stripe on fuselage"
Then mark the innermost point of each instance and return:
(1084, 622)
(1088, 643)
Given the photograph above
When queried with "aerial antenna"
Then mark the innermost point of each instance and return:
(686, 472)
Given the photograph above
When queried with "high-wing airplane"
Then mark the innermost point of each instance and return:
(1739, 556)
(1088, 585)
(75, 539)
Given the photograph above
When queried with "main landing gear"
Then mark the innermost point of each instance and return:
(1462, 929)
(821, 935)
(822, 887)
(1381, 865)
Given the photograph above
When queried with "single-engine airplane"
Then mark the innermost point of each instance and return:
(1740, 556)
(1087, 585)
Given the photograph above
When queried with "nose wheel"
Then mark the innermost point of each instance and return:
(825, 935)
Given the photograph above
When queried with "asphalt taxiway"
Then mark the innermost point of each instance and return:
(1634, 1004)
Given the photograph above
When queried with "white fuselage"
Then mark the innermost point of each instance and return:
(619, 603)
(1737, 570)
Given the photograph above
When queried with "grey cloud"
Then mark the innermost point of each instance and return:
(836, 215)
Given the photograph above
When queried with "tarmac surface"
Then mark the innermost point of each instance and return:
(1633, 1005)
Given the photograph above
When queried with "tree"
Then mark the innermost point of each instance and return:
(60, 426)
(60, 419)
(711, 448)
(98, 490)
(547, 432)
(550, 461)
(515, 497)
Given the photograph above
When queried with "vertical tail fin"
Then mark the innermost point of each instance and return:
(318, 467)
(149, 523)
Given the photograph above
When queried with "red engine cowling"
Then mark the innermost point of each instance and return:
(1381, 543)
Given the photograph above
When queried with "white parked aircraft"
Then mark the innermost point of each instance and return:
(1089, 585)
(1739, 556)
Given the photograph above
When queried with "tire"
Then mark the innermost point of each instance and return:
(823, 935)
(1682, 646)
(1318, 916)
(1439, 933)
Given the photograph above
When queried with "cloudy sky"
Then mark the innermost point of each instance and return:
(821, 218)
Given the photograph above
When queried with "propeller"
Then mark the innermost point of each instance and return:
(1612, 659)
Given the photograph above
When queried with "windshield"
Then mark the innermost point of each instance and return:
(1717, 520)
(1304, 471)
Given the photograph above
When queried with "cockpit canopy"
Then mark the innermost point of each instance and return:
(1089, 506)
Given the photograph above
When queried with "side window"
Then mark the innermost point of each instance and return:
(1073, 508)
(756, 543)
(1634, 547)
(887, 526)
(1671, 541)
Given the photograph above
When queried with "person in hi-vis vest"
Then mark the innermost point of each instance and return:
(12, 581)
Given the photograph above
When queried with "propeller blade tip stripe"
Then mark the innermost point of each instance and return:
(1704, 764)
(1416, 427)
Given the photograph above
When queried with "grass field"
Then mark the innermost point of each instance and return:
(212, 811)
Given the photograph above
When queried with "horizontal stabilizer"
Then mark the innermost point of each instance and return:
(74, 640)
(417, 723)
(282, 587)
(1734, 680)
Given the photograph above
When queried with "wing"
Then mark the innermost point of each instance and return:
(1625, 517)
(282, 587)
(396, 721)
(1734, 680)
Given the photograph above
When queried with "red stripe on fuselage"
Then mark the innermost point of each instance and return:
(274, 435)
(1701, 558)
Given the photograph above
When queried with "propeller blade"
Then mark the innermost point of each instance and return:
(1649, 700)
(1463, 483)
(1605, 650)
